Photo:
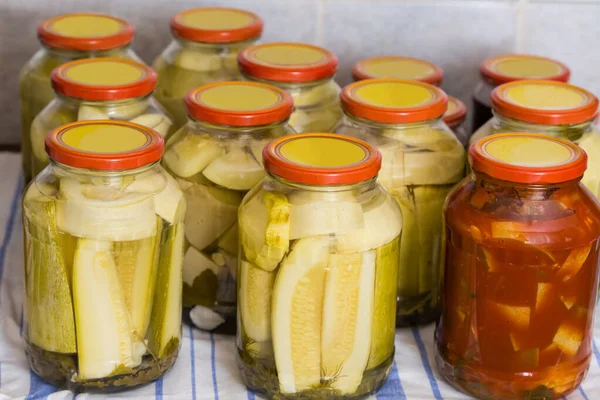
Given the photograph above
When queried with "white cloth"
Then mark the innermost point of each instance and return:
(206, 368)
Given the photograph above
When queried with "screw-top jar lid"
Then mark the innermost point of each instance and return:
(103, 79)
(321, 159)
(216, 25)
(395, 101)
(85, 32)
(104, 145)
(456, 112)
(544, 102)
(528, 158)
(239, 104)
(287, 62)
(398, 67)
(513, 67)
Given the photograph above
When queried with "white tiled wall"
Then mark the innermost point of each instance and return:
(456, 34)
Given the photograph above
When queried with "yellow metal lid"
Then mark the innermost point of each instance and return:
(239, 104)
(393, 100)
(398, 67)
(544, 102)
(512, 67)
(98, 79)
(85, 32)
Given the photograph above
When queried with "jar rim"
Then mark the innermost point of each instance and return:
(456, 112)
(430, 73)
(491, 73)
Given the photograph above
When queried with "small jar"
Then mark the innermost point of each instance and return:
(422, 160)
(318, 269)
(98, 89)
(104, 237)
(553, 109)
(509, 68)
(455, 117)
(216, 157)
(66, 38)
(206, 42)
(303, 70)
(398, 67)
(520, 271)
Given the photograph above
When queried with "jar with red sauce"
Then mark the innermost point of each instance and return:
(520, 272)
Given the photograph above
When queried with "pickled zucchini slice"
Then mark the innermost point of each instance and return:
(170, 203)
(88, 113)
(347, 308)
(568, 339)
(297, 308)
(105, 342)
(160, 123)
(265, 229)
(256, 289)
(230, 240)
(49, 310)
(165, 326)
(191, 154)
(236, 170)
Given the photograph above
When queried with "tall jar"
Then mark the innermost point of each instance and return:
(398, 67)
(422, 160)
(455, 116)
(520, 271)
(303, 70)
(104, 236)
(509, 68)
(216, 158)
(317, 266)
(66, 38)
(551, 108)
(204, 49)
(98, 89)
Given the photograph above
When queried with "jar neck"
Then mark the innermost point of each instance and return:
(367, 123)
(359, 187)
(191, 45)
(521, 191)
(75, 102)
(78, 54)
(236, 131)
(570, 132)
(291, 86)
(83, 174)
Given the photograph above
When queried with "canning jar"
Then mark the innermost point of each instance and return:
(551, 108)
(455, 117)
(66, 38)
(216, 157)
(318, 264)
(98, 89)
(104, 236)
(509, 68)
(303, 70)
(422, 160)
(398, 67)
(206, 42)
(521, 271)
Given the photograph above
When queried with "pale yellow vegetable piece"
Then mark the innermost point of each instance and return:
(255, 292)
(160, 123)
(191, 154)
(568, 339)
(89, 113)
(195, 263)
(235, 170)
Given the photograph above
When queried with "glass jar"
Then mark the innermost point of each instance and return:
(509, 68)
(422, 160)
(204, 50)
(98, 89)
(455, 117)
(104, 236)
(398, 67)
(216, 157)
(318, 267)
(521, 271)
(304, 71)
(66, 38)
(553, 109)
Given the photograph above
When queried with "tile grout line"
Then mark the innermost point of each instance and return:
(320, 22)
(520, 45)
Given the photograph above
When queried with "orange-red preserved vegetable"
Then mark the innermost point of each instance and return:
(520, 273)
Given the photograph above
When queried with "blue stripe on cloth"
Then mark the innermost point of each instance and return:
(583, 393)
(596, 352)
(21, 323)
(213, 365)
(158, 389)
(192, 362)
(250, 395)
(425, 360)
(393, 387)
(38, 389)
(8, 229)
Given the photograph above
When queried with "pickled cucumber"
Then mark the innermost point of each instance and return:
(256, 289)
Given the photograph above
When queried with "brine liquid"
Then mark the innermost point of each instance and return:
(482, 113)
(517, 318)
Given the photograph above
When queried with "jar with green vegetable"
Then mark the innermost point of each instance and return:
(66, 38)
(422, 160)
(216, 158)
(303, 70)
(104, 240)
(318, 266)
(206, 42)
